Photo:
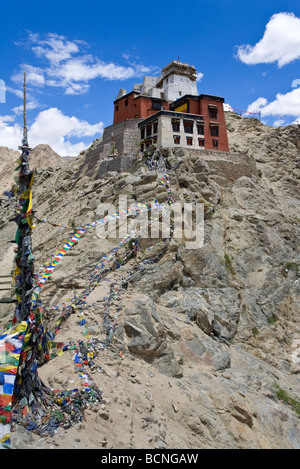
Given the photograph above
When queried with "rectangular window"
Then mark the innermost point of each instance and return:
(200, 129)
(142, 133)
(214, 131)
(189, 140)
(215, 143)
(201, 142)
(155, 127)
(213, 113)
(126, 102)
(156, 105)
(148, 130)
(188, 126)
(117, 107)
(176, 125)
(176, 139)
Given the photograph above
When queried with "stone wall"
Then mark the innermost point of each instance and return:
(126, 136)
(228, 165)
(231, 165)
(116, 164)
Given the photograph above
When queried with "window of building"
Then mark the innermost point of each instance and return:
(214, 131)
(201, 142)
(176, 125)
(200, 129)
(188, 126)
(156, 105)
(189, 140)
(126, 102)
(176, 139)
(155, 124)
(148, 130)
(117, 107)
(213, 112)
(142, 147)
(215, 143)
(142, 133)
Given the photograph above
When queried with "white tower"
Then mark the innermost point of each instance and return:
(178, 79)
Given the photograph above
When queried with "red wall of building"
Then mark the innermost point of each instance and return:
(200, 106)
(137, 107)
(222, 138)
(123, 112)
(194, 106)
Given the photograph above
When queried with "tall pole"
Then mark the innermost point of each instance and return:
(13, 356)
(25, 131)
(24, 259)
(28, 385)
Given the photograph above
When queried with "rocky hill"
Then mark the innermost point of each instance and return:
(203, 343)
(42, 156)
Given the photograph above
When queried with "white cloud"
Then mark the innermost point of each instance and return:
(56, 129)
(52, 127)
(278, 122)
(76, 73)
(284, 105)
(6, 119)
(227, 107)
(67, 65)
(77, 88)
(17, 93)
(55, 48)
(257, 105)
(34, 75)
(280, 42)
(31, 104)
(10, 135)
(140, 69)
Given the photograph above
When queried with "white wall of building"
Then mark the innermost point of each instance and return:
(165, 134)
(176, 86)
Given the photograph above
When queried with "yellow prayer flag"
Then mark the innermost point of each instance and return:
(5, 438)
(30, 202)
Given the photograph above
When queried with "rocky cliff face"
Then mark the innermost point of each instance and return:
(42, 156)
(205, 341)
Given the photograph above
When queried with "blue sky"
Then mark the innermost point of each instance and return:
(77, 55)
